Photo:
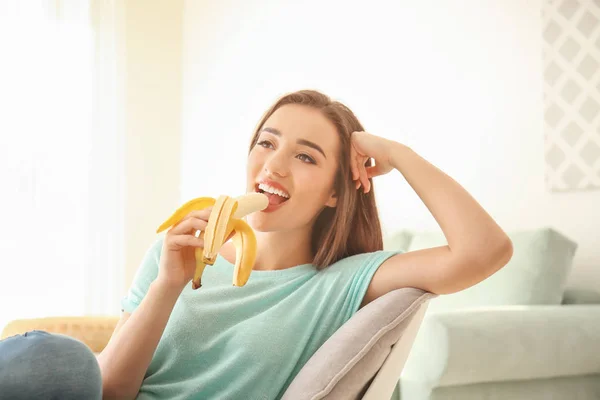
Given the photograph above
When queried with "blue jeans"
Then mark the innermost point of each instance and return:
(41, 365)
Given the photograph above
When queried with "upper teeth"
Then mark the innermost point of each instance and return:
(270, 189)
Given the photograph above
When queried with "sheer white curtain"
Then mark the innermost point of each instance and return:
(61, 158)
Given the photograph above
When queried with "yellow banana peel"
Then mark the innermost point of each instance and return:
(224, 221)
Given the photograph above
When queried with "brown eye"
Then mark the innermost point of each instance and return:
(264, 143)
(306, 158)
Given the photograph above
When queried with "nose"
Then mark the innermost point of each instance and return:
(276, 165)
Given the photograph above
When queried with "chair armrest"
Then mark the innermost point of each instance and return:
(94, 331)
(505, 343)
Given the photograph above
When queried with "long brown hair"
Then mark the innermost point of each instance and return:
(352, 227)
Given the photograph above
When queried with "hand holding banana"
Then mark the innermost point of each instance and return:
(224, 221)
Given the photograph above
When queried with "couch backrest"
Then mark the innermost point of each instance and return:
(346, 364)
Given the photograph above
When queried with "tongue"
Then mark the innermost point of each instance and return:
(275, 199)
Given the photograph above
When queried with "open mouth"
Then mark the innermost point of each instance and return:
(276, 196)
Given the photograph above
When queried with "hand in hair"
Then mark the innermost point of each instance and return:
(366, 146)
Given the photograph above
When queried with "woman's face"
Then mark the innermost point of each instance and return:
(294, 162)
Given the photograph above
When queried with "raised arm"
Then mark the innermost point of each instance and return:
(477, 246)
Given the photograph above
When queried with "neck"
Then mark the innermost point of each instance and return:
(283, 249)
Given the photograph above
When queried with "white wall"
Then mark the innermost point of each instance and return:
(460, 82)
(153, 93)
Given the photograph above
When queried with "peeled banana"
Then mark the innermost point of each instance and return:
(224, 221)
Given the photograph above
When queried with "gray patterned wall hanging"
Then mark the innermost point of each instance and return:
(571, 59)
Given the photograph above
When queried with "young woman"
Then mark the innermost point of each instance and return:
(319, 260)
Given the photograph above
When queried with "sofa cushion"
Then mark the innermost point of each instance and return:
(94, 331)
(399, 240)
(583, 387)
(581, 296)
(345, 364)
(498, 344)
(536, 274)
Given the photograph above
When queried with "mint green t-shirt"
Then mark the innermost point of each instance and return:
(227, 342)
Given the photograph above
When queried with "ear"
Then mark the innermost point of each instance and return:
(332, 201)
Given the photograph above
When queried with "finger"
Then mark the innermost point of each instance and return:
(364, 179)
(353, 156)
(191, 224)
(374, 171)
(357, 165)
(177, 242)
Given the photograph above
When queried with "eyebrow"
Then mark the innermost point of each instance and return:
(304, 142)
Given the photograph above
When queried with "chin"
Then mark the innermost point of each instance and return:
(260, 222)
